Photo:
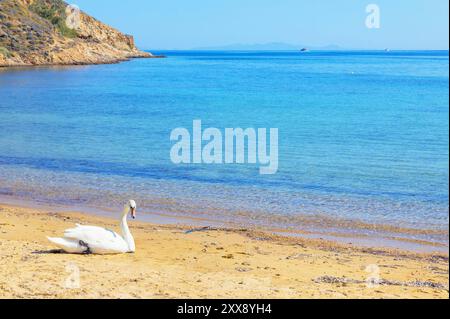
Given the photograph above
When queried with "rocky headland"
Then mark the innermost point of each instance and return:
(48, 32)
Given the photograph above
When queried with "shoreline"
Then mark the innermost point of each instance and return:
(350, 233)
(172, 262)
(78, 63)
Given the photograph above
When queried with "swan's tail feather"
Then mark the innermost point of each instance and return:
(68, 245)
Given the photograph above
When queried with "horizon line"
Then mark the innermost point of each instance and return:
(296, 50)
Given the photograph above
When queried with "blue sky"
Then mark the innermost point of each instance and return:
(186, 24)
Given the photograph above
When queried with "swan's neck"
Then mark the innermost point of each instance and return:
(126, 232)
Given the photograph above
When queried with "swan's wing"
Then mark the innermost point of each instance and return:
(93, 235)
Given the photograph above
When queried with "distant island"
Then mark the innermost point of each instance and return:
(35, 32)
(272, 46)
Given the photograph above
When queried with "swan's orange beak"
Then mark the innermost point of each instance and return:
(133, 212)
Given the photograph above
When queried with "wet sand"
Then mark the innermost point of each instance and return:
(214, 263)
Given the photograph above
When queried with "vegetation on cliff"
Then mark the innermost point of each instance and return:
(5, 52)
(55, 12)
(34, 32)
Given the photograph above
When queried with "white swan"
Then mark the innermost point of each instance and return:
(98, 240)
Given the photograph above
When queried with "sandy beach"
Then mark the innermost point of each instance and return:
(219, 263)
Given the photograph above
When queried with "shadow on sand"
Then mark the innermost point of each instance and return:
(48, 252)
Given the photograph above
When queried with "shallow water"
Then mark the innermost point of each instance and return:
(363, 137)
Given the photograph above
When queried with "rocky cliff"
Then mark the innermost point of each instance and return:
(46, 32)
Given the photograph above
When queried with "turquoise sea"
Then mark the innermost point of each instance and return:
(363, 138)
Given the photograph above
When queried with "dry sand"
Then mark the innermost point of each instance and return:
(208, 264)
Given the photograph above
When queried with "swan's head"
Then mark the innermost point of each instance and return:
(132, 207)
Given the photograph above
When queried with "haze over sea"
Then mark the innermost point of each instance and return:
(363, 137)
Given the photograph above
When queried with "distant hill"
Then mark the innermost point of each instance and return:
(273, 46)
(35, 32)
